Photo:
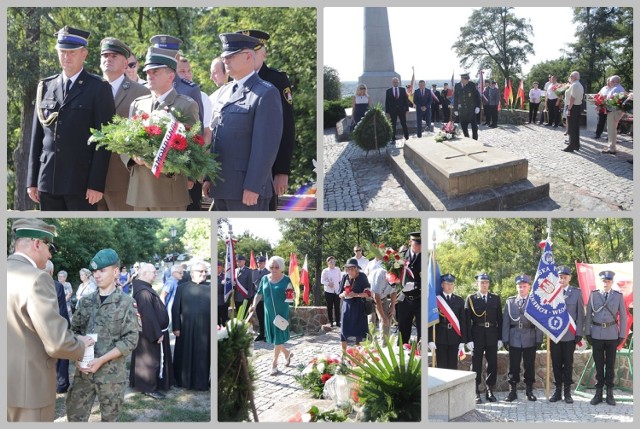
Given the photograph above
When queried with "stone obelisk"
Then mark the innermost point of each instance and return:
(378, 54)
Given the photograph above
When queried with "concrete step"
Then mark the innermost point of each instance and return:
(451, 393)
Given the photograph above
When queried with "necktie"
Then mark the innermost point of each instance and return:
(485, 298)
(395, 92)
(67, 87)
(446, 297)
(235, 88)
(422, 92)
(155, 104)
(606, 295)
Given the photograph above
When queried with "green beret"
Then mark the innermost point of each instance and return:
(104, 258)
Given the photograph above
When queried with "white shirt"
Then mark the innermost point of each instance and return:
(73, 78)
(378, 281)
(362, 262)
(535, 94)
(330, 276)
(207, 108)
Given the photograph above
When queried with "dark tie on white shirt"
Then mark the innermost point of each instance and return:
(67, 87)
(606, 295)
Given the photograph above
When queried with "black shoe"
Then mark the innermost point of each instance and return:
(530, 395)
(478, 399)
(490, 396)
(567, 396)
(557, 395)
(260, 338)
(155, 395)
(567, 150)
(512, 396)
(338, 325)
(608, 151)
(65, 390)
(597, 398)
(610, 399)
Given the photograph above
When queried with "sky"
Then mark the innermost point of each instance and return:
(432, 55)
(266, 228)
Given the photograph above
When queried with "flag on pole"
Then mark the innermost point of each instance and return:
(521, 94)
(452, 79)
(505, 94)
(252, 262)
(294, 275)
(434, 278)
(305, 281)
(622, 282)
(481, 76)
(229, 269)
(411, 85)
(546, 308)
(510, 94)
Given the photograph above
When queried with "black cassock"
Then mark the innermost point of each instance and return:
(148, 356)
(191, 315)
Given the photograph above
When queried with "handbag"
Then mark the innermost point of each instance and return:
(368, 306)
(279, 321)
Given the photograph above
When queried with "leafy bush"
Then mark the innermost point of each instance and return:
(334, 111)
(374, 130)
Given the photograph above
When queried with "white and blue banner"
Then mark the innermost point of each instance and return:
(546, 308)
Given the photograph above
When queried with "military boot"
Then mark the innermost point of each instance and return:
(610, 399)
(529, 393)
(597, 398)
(478, 398)
(567, 394)
(490, 396)
(557, 395)
(512, 396)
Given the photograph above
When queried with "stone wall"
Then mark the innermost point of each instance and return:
(580, 360)
(305, 320)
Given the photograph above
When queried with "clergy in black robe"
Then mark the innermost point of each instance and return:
(191, 318)
(151, 368)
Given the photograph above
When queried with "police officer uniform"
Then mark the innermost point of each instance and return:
(522, 338)
(408, 306)
(280, 80)
(115, 320)
(466, 99)
(62, 166)
(562, 351)
(604, 333)
(484, 328)
(447, 340)
(243, 277)
(256, 277)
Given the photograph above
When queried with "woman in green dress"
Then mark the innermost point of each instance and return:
(273, 289)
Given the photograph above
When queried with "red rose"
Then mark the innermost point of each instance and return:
(199, 139)
(325, 378)
(179, 142)
(381, 246)
(354, 396)
(135, 117)
(385, 258)
(153, 130)
(389, 252)
(145, 116)
(397, 257)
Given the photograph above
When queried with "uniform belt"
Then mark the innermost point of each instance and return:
(522, 326)
(605, 325)
(412, 297)
(485, 324)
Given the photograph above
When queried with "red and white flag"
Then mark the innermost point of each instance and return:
(305, 281)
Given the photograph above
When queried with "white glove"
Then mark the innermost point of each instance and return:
(432, 346)
(477, 110)
(500, 344)
(455, 113)
(461, 347)
(408, 286)
(470, 346)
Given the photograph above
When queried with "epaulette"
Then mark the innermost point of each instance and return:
(142, 97)
(186, 97)
(96, 76)
(52, 77)
(188, 82)
(266, 83)
(514, 297)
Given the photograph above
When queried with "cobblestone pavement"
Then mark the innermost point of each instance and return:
(541, 410)
(586, 180)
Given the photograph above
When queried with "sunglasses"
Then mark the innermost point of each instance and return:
(51, 246)
(357, 250)
(132, 65)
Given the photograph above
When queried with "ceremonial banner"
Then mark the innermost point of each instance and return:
(434, 277)
(546, 308)
(229, 270)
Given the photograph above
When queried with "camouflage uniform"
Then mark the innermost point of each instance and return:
(117, 325)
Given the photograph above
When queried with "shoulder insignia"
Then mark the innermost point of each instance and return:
(188, 82)
(52, 77)
(286, 93)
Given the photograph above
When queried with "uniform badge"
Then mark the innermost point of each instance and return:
(93, 265)
(287, 95)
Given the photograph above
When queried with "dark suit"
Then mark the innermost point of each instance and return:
(447, 339)
(164, 193)
(247, 130)
(282, 164)
(256, 277)
(38, 335)
(243, 277)
(117, 184)
(484, 327)
(562, 351)
(397, 108)
(422, 101)
(465, 100)
(409, 307)
(61, 163)
(62, 366)
(435, 106)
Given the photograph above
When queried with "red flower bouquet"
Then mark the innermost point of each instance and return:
(391, 260)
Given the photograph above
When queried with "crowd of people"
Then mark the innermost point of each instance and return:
(107, 326)
(485, 325)
(254, 150)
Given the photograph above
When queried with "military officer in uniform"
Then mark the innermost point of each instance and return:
(408, 307)
(243, 277)
(521, 338)
(64, 172)
(113, 62)
(282, 166)
(604, 333)
(484, 327)
(562, 351)
(466, 105)
(448, 343)
(111, 315)
(146, 192)
(256, 277)
(247, 129)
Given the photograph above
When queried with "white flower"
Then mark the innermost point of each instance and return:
(223, 334)
(306, 417)
(320, 367)
(307, 369)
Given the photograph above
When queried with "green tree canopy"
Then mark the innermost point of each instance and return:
(331, 83)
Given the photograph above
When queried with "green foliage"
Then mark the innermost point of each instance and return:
(389, 383)
(313, 376)
(233, 387)
(326, 416)
(374, 130)
(334, 111)
(197, 236)
(331, 83)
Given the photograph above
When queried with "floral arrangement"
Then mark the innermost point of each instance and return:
(601, 102)
(316, 373)
(315, 415)
(143, 135)
(560, 88)
(388, 380)
(620, 101)
(447, 132)
(390, 259)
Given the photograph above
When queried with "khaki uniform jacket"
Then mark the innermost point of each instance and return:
(117, 184)
(144, 189)
(37, 335)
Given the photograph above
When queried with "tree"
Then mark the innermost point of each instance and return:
(197, 238)
(331, 83)
(494, 37)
